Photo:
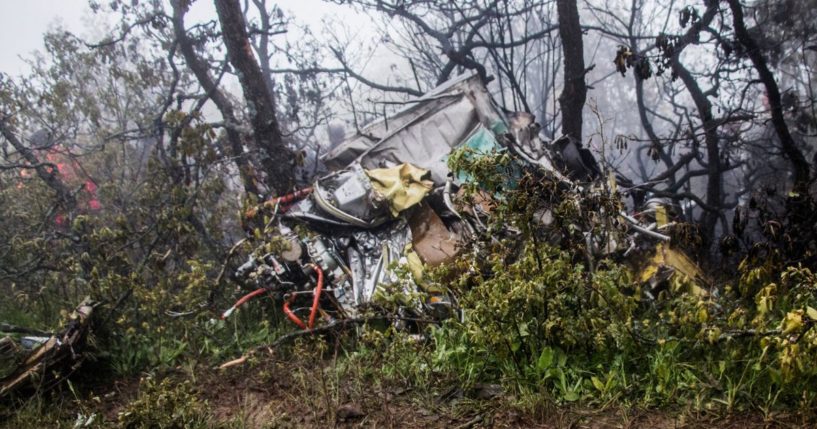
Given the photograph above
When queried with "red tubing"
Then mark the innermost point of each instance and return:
(284, 202)
(317, 296)
(291, 315)
(315, 303)
(241, 301)
(290, 198)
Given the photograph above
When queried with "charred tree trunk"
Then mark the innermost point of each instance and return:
(201, 70)
(574, 92)
(790, 149)
(276, 158)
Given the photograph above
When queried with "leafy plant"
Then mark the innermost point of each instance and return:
(165, 404)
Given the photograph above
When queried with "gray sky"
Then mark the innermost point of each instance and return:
(23, 22)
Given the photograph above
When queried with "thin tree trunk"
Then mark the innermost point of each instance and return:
(201, 71)
(790, 149)
(704, 107)
(711, 140)
(574, 92)
(276, 158)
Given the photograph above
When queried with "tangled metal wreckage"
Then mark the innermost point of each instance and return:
(390, 209)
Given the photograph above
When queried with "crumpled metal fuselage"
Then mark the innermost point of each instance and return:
(385, 212)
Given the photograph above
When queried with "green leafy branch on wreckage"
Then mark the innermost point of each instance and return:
(538, 317)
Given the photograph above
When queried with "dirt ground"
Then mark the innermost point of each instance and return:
(276, 395)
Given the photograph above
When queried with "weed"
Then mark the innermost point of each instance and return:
(165, 404)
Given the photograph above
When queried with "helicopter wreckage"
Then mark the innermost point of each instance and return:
(391, 206)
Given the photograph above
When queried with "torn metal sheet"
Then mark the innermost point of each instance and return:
(578, 162)
(426, 132)
(529, 146)
(418, 112)
(348, 196)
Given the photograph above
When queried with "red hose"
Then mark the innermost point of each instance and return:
(241, 301)
(289, 198)
(315, 303)
(291, 315)
(313, 312)
(317, 296)
(282, 201)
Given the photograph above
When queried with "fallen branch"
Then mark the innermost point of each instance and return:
(471, 423)
(212, 296)
(637, 226)
(5, 327)
(61, 348)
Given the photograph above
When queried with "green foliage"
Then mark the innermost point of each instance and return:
(542, 329)
(38, 412)
(153, 249)
(154, 212)
(551, 324)
(164, 404)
